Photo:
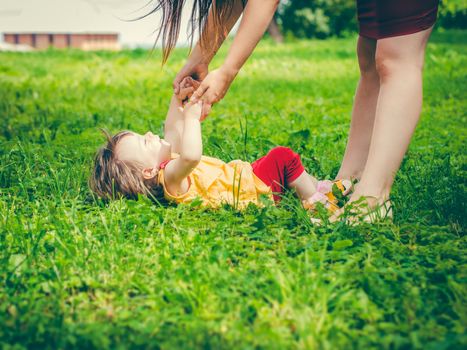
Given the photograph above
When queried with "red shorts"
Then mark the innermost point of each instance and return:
(278, 168)
(380, 19)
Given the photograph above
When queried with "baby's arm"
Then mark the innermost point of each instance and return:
(173, 126)
(191, 150)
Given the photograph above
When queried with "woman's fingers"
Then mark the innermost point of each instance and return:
(212, 96)
(186, 82)
(185, 92)
(186, 87)
(189, 81)
(194, 83)
(176, 83)
(205, 111)
(199, 92)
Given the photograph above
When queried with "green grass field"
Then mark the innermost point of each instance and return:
(76, 273)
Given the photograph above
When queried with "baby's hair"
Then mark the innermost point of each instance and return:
(113, 178)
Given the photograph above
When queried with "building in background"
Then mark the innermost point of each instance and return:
(82, 41)
(81, 19)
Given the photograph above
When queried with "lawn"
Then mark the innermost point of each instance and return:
(78, 273)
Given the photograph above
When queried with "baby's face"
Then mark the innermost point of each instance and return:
(149, 150)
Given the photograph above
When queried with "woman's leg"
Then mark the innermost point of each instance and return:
(363, 113)
(399, 62)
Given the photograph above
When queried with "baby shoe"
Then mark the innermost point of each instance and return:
(330, 194)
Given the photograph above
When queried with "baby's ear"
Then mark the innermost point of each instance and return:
(150, 173)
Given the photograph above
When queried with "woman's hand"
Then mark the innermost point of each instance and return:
(196, 69)
(213, 88)
(186, 88)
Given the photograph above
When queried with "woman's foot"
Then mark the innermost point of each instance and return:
(364, 209)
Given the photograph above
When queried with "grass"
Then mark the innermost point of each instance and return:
(79, 274)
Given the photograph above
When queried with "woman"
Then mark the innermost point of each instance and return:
(391, 47)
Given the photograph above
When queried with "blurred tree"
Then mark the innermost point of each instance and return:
(453, 14)
(317, 18)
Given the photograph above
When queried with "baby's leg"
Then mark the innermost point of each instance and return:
(304, 185)
(282, 168)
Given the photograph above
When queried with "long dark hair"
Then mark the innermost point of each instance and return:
(169, 29)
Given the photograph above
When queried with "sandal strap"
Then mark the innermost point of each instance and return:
(325, 196)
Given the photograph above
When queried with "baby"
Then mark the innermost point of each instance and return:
(175, 168)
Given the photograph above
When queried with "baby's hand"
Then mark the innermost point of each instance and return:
(193, 110)
(186, 88)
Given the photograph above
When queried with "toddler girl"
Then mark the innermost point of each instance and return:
(132, 164)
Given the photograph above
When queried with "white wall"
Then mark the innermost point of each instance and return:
(84, 16)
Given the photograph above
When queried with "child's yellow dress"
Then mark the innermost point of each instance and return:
(215, 183)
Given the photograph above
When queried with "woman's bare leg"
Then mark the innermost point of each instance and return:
(399, 62)
(363, 113)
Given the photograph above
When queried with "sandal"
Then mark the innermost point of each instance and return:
(331, 194)
(361, 211)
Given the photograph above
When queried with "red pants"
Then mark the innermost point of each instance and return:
(278, 168)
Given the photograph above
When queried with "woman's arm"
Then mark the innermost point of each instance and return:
(191, 150)
(256, 18)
